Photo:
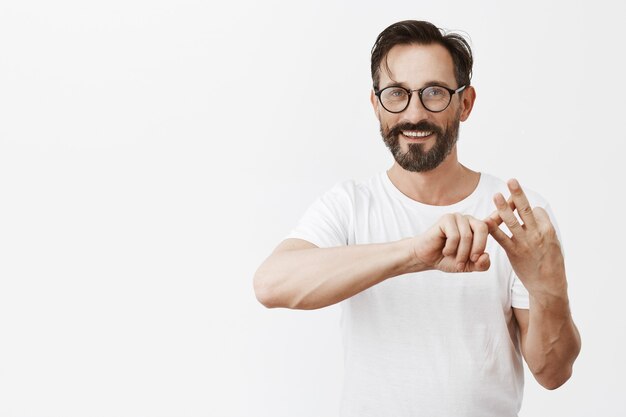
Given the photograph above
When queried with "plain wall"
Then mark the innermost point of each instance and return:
(153, 153)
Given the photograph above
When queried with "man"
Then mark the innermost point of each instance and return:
(435, 315)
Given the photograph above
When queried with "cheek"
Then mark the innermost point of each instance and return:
(387, 121)
(441, 122)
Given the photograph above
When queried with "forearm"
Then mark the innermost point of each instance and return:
(318, 277)
(552, 342)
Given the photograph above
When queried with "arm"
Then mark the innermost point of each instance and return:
(549, 339)
(300, 275)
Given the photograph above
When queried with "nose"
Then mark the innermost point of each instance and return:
(415, 112)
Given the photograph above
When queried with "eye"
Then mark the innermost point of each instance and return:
(434, 92)
(395, 93)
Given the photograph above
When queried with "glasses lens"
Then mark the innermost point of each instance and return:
(394, 99)
(435, 98)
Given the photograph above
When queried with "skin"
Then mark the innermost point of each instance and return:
(413, 66)
(549, 338)
(300, 275)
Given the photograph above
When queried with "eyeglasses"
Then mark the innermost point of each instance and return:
(434, 98)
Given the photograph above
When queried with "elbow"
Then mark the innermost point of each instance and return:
(268, 293)
(274, 290)
(264, 292)
(552, 376)
(556, 380)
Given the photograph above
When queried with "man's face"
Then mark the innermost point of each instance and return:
(418, 139)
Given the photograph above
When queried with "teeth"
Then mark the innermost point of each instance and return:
(414, 134)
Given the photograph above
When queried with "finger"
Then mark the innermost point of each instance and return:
(543, 220)
(541, 215)
(507, 215)
(482, 264)
(500, 237)
(479, 242)
(465, 241)
(449, 229)
(496, 217)
(521, 202)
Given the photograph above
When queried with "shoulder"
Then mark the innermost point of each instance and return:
(354, 191)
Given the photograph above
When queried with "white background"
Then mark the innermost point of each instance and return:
(153, 153)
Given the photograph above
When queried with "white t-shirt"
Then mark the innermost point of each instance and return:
(430, 344)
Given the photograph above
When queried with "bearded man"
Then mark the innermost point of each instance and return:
(439, 304)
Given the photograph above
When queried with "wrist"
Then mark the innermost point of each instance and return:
(413, 262)
(553, 299)
(547, 286)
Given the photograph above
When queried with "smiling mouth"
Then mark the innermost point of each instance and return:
(417, 134)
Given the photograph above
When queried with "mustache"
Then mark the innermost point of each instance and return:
(423, 125)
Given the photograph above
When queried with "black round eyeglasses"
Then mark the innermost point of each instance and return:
(434, 98)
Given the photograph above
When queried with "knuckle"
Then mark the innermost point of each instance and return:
(481, 227)
(512, 223)
(526, 210)
(453, 237)
(544, 227)
(549, 230)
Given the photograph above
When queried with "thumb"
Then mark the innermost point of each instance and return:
(500, 237)
(482, 264)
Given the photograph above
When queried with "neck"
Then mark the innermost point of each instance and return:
(447, 184)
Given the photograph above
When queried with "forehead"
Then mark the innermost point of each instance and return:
(416, 65)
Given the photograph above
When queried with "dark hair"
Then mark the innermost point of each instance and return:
(423, 33)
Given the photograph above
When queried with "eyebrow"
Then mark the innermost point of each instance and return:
(426, 84)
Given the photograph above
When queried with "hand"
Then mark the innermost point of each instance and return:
(533, 249)
(456, 243)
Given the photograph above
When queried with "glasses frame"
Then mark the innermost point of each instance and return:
(419, 93)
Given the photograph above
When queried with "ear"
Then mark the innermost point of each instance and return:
(375, 104)
(467, 102)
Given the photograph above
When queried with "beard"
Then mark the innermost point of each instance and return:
(416, 158)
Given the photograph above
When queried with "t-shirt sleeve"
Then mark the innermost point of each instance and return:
(519, 294)
(327, 222)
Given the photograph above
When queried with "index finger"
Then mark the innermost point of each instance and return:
(496, 217)
(524, 209)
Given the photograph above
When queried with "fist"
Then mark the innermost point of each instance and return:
(456, 243)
